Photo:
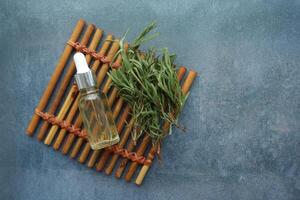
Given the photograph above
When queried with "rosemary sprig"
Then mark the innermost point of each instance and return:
(149, 84)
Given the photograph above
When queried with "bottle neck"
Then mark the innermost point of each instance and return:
(89, 90)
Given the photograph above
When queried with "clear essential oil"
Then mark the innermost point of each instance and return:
(97, 118)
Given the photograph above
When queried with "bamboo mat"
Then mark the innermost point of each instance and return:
(56, 121)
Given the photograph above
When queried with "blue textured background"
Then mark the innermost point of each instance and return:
(243, 140)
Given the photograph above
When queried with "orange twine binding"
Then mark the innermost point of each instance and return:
(82, 133)
(131, 155)
(62, 123)
(83, 49)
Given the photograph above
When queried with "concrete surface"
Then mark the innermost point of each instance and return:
(243, 139)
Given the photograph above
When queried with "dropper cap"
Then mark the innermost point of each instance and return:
(84, 77)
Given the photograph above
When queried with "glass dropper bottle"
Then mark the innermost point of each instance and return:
(94, 109)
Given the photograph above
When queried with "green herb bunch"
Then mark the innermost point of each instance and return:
(148, 83)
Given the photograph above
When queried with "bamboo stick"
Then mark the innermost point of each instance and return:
(118, 107)
(113, 96)
(122, 143)
(67, 104)
(185, 88)
(123, 118)
(74, 108)
(55, 76)
(145, 168)
(64, 85)
(100, 78)
(107, 85)
(146, 139)
(69, 100)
